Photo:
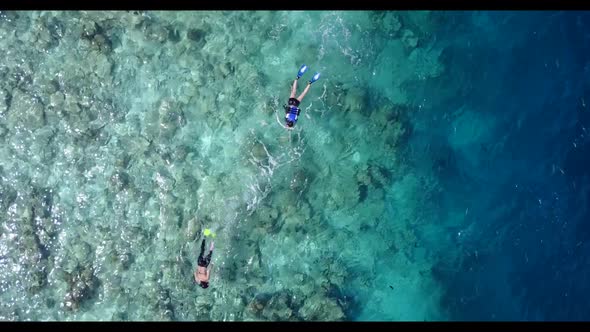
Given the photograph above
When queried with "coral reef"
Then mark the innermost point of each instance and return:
(126, 134)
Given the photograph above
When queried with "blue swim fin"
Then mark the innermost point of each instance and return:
(302, 71)
(314, 78)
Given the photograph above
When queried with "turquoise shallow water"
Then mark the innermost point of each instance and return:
(123, 135)
(129, 133)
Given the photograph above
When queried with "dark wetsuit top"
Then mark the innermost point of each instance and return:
(292, 111)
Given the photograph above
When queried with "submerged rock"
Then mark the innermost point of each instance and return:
(259, 152)
(319, 308)
(123, 160)
(362, 175)
(193, 229)
(4, 101)
(274, 307)
(391, 23)
(164, 304)
(354, 100)
(409, 40)
(82, 252)
(7, 196)
(268, 217)
(226, 69)
(57, 100)
(180, 152)
(173, 34)
(99, 41)
(196, 35)
(82, 286)
(171, 118)
(120, 180)
(89, 29)
(203, 304)
(299, 181)
(3, 132)
(37, 279)
(26, 110)
(42, 202)
(70, 106)
(56, 29)
(258, 303)
(164, 180)
(157, 33)
(381, 177)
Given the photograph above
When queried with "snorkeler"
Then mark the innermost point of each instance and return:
(292, 110)
(202, 272)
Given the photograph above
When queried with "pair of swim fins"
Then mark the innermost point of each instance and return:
(302, 71)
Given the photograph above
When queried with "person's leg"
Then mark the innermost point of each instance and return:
(208, 258)
(304, 92)
(202, 250)
(293, 89)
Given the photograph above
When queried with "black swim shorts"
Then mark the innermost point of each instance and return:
(294, 102)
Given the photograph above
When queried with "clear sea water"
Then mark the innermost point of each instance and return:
(439, 169)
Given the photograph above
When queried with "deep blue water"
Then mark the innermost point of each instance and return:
(525, 183)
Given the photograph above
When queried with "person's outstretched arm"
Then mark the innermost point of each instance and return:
(304, 92)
